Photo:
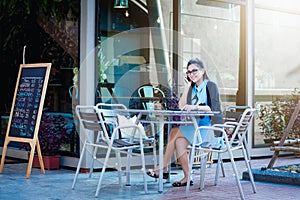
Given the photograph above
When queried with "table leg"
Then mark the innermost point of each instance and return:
(161, 154)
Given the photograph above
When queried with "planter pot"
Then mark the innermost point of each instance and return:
(270, 141)
(50, 162)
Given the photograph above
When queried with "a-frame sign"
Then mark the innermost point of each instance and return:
(26, 110)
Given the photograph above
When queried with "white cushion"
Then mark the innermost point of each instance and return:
(126, 132)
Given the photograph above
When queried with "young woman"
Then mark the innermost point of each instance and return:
(199, 94)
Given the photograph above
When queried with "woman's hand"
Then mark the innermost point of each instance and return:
(204, 108)
(196, 107)
(182, 101)
(190, 107)
(187, 83)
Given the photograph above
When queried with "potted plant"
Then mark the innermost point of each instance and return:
(275, 117)
(52, 132)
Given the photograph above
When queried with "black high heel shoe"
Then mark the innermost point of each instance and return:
(179, 184)
(152, 174)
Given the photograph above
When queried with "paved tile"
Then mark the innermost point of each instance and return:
(56, 185)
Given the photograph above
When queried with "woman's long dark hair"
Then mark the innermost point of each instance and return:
(199, 64)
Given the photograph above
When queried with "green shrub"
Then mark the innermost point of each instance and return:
(275, 117)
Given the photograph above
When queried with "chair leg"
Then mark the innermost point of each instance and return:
(128, 168)
(247, 150)
(219, 164)
(222, 166)
(94, 157)
(144, 170)
(102, 172)
(247, 161)
(94, 154)
(78, 165)
(119, 167)
(236, 175)
(191, 156)
(202, 171)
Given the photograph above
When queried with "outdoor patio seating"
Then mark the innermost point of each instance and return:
(103, 132)
(219, 141)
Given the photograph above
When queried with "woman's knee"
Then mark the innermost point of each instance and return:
(181, 142)
(181, 146)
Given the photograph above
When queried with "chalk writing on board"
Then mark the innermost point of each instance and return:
(27, 102)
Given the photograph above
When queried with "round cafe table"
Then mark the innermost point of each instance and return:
(162, 117)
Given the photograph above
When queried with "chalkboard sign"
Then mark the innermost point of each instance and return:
(27, 107)
(27, 103)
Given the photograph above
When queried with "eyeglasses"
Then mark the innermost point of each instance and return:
(194, 71)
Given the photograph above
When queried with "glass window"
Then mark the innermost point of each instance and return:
(211, 32)
(277, 30)
(132, 50)
(130, 54)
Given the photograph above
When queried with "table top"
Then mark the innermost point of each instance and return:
(169, 112)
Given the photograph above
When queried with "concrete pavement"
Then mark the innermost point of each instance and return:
(56, 185)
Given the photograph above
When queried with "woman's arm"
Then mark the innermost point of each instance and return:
(215, 103)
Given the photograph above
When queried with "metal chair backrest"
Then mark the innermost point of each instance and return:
(237, 127)
(92, 120)
(108, 110)
(242, 125)
(233, 113)
(109, 115)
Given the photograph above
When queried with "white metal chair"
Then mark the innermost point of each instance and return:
(110, 115)
(237, 121)
(93, 124)
(232, 118)
(240, 117)
(235, 142)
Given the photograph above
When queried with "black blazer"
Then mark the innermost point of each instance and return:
(213, 101)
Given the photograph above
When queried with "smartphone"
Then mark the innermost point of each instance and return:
(188, 78)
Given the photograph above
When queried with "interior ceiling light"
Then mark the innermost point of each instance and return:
(126, 13)
(121, 4)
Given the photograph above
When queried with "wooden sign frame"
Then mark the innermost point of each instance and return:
(26, 110)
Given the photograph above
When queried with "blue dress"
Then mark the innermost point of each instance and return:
(200, 94)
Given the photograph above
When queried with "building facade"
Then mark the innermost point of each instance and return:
(249, 48)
